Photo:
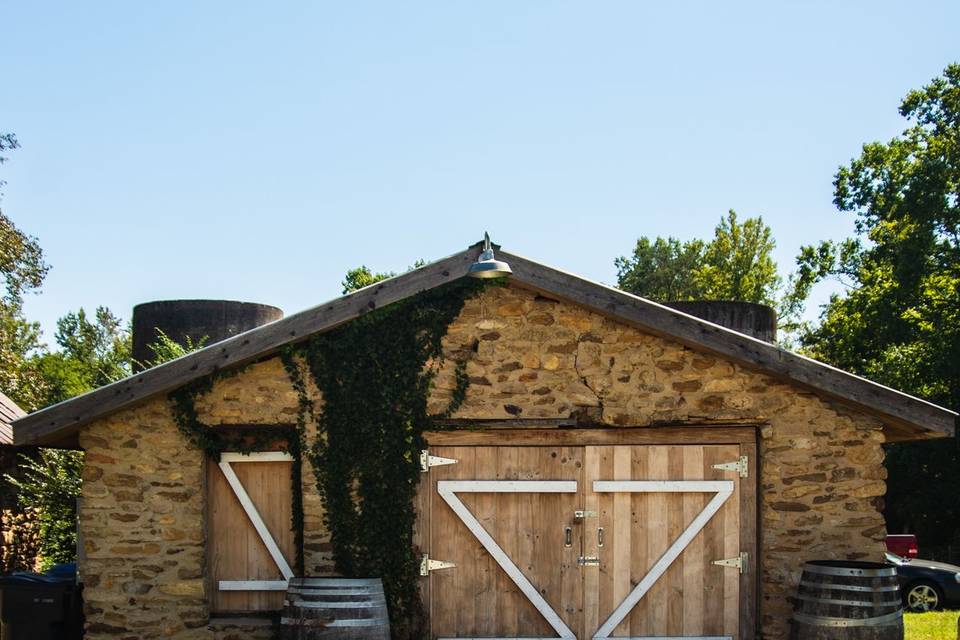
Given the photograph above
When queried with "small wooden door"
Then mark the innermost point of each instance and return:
(250, 543)
(583, 541)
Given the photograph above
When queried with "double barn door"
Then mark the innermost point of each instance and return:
(595, 541)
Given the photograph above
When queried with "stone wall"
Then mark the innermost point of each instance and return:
(142, 513)
(528, 357)
(19, 527)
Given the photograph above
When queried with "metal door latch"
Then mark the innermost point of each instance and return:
(740, 562)
(581, 514)
(427, 461)
(427, 565)
(588, 561)
(740, 466)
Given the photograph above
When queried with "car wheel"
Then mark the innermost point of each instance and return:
(923, 596)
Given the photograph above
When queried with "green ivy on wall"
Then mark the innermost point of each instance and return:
(375, 374)
(214, 441)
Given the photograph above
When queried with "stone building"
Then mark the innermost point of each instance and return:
(618, 468)
(19, 528)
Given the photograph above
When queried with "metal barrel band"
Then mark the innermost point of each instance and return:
(849, 603)
(350, 622)
(848, 587)
(327, 583)
(823, 621)
(307, 604)
(848, 571)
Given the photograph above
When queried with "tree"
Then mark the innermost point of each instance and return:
(662, 270)
(166, 348)
(23, 270)
(92, 354)
(736, 264)
(51, 485)
(899, 323)
(362, 276)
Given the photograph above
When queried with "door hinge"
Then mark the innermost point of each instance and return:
(740, 466)
(740, 562)
(427, 565)
(427, 460)
(588, 561)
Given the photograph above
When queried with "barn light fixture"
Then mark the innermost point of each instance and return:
(486, 265)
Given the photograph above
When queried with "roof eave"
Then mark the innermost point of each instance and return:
(906, 417)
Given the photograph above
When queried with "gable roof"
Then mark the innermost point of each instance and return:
(905, 416)
(9, 411)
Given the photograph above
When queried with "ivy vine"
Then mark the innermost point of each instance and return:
(375, 374)
(247, 440)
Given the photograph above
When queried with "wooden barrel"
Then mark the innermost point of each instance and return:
(335, 608)
(848, 600)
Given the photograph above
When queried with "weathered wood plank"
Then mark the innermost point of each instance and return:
(749, 541)
(508, 595)
(241, 349)
(236, 552)
(673, 579)
(484, 507)
(693, 558)
(591, 575)
(594, 436)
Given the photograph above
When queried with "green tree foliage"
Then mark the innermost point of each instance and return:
(19, 340)
(362, 277)
(93, 352)
(736, 264)
(23, 271)
(900, 321)
(51, 485)
(662, 269)
(166, 348)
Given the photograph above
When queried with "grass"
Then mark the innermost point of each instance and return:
(937, 625)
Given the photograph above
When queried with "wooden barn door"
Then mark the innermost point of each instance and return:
(664, 515)
(504, 516)
(596, 541)
(250, 544)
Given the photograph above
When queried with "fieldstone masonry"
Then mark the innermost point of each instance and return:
(142, 514)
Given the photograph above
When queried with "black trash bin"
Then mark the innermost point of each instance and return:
(36, 606)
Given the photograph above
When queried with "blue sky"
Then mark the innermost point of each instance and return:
(258, 151)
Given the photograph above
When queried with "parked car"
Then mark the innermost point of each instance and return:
(903, 544)
(927, 585)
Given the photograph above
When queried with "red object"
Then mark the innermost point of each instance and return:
(903, 544)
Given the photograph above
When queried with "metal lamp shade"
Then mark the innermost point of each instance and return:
(490, 268)
(486, 265)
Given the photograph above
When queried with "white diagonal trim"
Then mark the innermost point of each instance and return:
(257, 521)
(724, 489)
(256, 456)
(662, 486)
(507, 486)
(447, 489)
(675, 638)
